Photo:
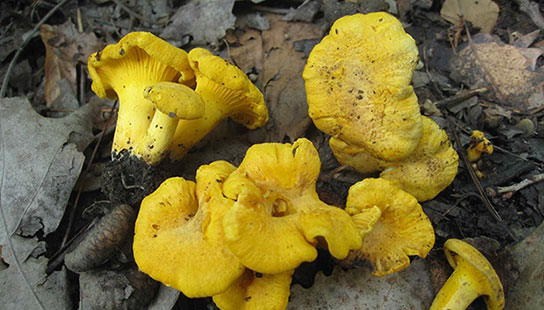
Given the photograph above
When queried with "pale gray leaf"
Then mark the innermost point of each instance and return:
(205, 21)
(359, 289)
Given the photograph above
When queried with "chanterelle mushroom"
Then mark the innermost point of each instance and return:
(424, 174)
(393, 226)
(473, 277)
(180, 242)
(227, 92)
(478, 144)
(254, 291)
(124, 70)
(357, 83)
(277, 218)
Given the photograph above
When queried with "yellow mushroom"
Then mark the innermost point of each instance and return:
(277, 218)
(424, 174)
(256, 291)
(227, 92)
(180, 242)
(172, 101)
(124, 70)
(358, 89)
(478, 144)
(473, 277)
(392, 224)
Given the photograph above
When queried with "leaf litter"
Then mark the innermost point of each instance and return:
(273, 57)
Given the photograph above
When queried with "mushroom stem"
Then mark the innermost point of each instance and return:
(158, 138)
(217, 106)
(460, 290)
(133, 118)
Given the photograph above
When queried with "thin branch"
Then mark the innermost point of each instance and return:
(26, 41)
(521, 185)
(533, 11)
(478, 185)
(87, 169)
(460, 97)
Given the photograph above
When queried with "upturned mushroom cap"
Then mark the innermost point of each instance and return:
(358, 89)
(239, 98)
(175, 100)
(123, 70)
(172, 243)
(424, 174)
(274, 190)
(227, 92)
(402, 229)
(473, 276)
(253, 291)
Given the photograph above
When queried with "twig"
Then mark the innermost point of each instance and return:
(130, 186)
(477, 183)
(516, 187)
(531, 8)
(460, 97)
(25, 42)
(267, 9)
(87, 169)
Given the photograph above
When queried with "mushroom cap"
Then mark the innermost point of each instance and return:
(358, 89)
(402, 229)
(430, 169)
(254, 291)
(424, 174)
(460, 252)
(274, 190)
(234, 94)
(175, 100)
(355, 156)
(171, 244)
(164, 59)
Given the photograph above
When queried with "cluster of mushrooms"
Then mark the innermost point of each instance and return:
(238, 233)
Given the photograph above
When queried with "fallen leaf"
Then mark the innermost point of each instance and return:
(481, 13)
(40, 162)
(508, 70)
(273, 54)
(28, 287)
(64, 48)
(205, 21)
(525, 259)
(359, 289)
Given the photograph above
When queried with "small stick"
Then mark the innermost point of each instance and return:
(25, 42)
(533, 11)
(478, 185)
(460, 97)
(516, 187)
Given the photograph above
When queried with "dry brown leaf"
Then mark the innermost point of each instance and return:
(481, 13)
(64, 47)
(280, 65)
(508, 70)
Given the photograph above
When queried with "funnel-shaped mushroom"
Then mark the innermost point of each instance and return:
(401, 230)
(182, 246)
(357, 83)
(274, 190)
(124, 70)
(227, 92)
(473, 277)
(254, 291)
(424, 174)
